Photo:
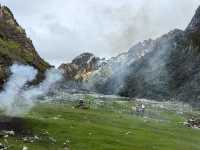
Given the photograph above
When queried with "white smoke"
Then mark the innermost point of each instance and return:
(12, 90)
(17, 99)
(52, 76)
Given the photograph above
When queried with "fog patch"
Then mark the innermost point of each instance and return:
(17, 98)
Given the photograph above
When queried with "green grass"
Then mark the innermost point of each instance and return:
(13, 50)
(104, 130)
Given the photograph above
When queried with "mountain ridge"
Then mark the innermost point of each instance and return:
(164, 68)
(16, 47)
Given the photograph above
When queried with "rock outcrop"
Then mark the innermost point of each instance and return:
(194, 25)
(15, 47)
(193, 123)
(80, 68)
(111, 73)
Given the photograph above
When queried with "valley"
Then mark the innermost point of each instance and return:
(108, 122)
(145, 98)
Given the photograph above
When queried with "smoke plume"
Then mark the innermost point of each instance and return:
(16, 98)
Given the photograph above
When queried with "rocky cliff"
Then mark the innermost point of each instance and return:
(104, 75)
(15, 47)
(80, 68)
(171, 70)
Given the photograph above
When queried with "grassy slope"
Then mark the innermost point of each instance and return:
(12, 50)
(15, 45)
(97, 130)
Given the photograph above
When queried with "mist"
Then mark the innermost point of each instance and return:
(17, 98)
(105, 27)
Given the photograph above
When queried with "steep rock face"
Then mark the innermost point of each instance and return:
(110, 75)
(171, 70)
(86, 61)
(15, 47)
(101, 75)
(80, 68)
(194, 25)
(69, 71)
(151, 76)
(193, 29)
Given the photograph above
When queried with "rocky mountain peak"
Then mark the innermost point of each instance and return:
(195, 22)
(81, 67)
(11, 30)
(6, 14)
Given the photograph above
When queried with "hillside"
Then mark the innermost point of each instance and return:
(16, 47)
(171, 69)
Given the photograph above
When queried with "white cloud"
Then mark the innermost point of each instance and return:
(62, 29)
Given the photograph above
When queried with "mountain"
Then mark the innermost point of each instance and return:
(80, 68)
(164, 68)
(101, 75)
(171, 70)
(16, 47)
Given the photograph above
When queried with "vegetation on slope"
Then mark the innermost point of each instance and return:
(16, 47)
(60, 126)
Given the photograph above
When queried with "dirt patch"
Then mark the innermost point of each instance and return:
(16, 124)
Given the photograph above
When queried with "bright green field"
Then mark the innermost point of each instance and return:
(101, 129)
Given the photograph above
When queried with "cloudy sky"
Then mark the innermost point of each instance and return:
(62, 29)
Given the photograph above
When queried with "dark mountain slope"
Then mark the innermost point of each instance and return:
(171, 70)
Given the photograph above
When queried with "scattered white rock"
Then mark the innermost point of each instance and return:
(45, 133)
(66, 148)
(67, 141)
(25, 148)
(6, 141)
(25, 139)
(55, 118)
(3, 147)
(52, 140)
(36, 137)
(12, 133)
(129, 132)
